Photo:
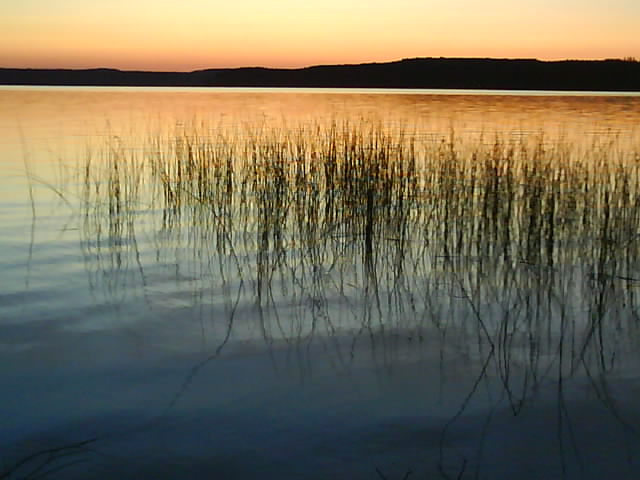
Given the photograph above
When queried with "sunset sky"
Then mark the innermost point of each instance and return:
(186, 35)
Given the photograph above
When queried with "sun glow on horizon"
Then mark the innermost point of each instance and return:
(168, 35)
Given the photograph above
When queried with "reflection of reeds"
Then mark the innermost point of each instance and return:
(535, 240)
(521, 256)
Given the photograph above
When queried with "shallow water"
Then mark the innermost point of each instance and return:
(173, 356)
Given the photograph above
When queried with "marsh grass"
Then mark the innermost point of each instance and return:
(517, 256)
(525, 247)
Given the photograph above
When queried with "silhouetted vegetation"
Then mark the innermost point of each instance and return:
(465, 73)
(508, 238)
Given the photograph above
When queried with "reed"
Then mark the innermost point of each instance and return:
(504, 243)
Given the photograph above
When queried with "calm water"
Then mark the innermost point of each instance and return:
(164, 345)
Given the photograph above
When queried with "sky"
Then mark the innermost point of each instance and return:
(185, 35)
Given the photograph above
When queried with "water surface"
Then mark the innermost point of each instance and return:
(279, 335)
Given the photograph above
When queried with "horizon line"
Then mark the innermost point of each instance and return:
(375, 62)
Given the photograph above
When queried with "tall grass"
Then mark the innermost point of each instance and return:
(515, 246)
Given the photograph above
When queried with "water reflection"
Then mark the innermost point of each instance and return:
(451, 287)
(518, 257)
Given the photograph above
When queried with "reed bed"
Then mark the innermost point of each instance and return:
(524, 247)
(510, 200)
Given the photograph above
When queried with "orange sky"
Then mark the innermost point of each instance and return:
(192, 34)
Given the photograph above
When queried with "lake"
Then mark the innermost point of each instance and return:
(318, 283)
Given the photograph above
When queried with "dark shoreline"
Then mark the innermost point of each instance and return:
(458, 73)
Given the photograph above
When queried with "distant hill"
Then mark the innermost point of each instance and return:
(464, 73)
